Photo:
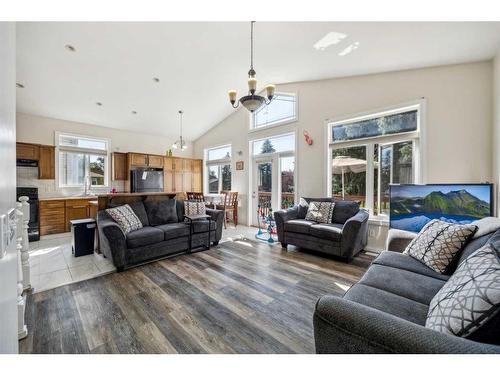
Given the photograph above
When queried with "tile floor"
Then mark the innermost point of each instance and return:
(53, 264)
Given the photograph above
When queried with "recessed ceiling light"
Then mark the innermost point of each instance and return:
(349, 49)
(70, 48)
(134, 112)
(328, 40)
(155, 79)
(98, 103)
(19, 85)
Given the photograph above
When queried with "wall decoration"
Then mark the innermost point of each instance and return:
(240, 166)
(308, 138)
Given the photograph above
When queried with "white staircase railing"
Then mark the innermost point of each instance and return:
(25, 256)
(21, 299)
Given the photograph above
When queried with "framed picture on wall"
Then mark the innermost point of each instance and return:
(240, 166)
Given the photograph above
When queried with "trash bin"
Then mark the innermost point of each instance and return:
(82, 236)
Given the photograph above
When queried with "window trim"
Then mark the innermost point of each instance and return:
(253, 128)
(216, 162)
(417, 137)
(86, 151)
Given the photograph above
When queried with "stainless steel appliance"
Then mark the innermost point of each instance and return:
(34, 223)
(146, 180)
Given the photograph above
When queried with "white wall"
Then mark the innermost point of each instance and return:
(37, 129)
(458, 124)
(496, 127)
(8, 264)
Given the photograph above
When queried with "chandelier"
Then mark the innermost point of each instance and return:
(180, 143)
(251, 101)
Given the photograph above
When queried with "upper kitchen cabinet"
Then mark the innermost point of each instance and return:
(47, 163)
(27, 151)
(145, 160)
(119, 166)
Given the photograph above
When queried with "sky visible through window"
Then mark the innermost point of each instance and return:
(282, 108)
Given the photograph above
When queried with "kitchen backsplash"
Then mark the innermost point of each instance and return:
(28, 177)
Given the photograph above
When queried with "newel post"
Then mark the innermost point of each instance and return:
(25, 256)
(22, 330)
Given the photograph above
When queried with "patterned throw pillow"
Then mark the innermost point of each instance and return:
(438, 242)
(125, 217)
(470, 298)
(320, 212)
(194, 208)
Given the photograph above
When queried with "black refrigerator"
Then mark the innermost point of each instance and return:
(146, 180)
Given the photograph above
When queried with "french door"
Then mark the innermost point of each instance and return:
(273, 184)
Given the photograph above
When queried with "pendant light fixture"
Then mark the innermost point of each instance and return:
(251, 101)
(180, 143)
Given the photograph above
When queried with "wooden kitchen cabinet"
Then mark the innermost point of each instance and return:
(47, 163)
(27, 151)
(182, 175)
(119, 162)
(155, 161)
(76, 209)
(138, 160)
(52, 217)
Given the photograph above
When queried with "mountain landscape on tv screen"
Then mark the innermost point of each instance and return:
(460, 206)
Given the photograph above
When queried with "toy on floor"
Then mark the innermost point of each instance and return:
(265, 220)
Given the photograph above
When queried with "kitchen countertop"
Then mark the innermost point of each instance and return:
(93, 198)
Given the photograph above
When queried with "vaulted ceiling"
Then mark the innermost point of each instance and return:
(198, 62)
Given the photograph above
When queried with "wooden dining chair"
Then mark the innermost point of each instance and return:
(193, 196)
(229, 206)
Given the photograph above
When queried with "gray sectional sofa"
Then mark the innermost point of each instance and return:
(385, 312)
(164, 233)
(344, 237)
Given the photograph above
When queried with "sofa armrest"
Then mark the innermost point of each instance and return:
(283, 216)
(112, 240)
(342, 326)
(218, 217)
(354, 234)
(398, 240)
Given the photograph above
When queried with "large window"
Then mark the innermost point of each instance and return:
(282, 109)
(368, 154)
(82, 160)
(218, 161)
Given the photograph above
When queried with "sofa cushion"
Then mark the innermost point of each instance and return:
(125, 218)
(200, 226)
(329, 231)
(406, 262)
(320, 212)
(299, 226)
(174, 230)
(161, 212)
(404, 283)
(470, 248)
(139, 210)
(390, 303)
(344, 210)
(144, 236)
(468, 305)
(439, 242)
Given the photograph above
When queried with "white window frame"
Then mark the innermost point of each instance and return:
(417, 137)
(217, 162)
(106, 153)
(254, 128)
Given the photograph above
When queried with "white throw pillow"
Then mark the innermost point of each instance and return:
(194, 208)
(320, 212)
(439, 242)
(125, 217)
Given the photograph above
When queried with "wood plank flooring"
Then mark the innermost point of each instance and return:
(239, 297)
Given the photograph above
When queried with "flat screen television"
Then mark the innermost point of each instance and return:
(413, 206)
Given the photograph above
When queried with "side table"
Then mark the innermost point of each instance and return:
(191, 220)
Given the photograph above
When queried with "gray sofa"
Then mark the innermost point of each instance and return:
(164, 233)
(385, 311)
(344, 237)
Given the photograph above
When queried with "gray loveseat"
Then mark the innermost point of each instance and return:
(164, 233)
(345, 236)
(385, 311)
